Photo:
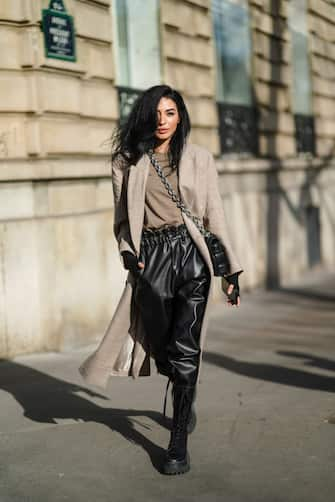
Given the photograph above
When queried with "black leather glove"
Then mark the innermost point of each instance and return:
(130, 262)
(233, 279)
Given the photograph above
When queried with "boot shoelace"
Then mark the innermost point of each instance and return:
(179, 430)
(183, 412)
(165, 398)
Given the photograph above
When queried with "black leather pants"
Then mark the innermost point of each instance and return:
(171, 293)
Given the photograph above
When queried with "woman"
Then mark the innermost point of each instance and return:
(163, 310)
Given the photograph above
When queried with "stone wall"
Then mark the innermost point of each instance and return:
(52, 107)
(188, 64)
(60, 272)
(272, 77)
(322, 46)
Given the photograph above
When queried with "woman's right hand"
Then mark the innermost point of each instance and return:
(130, 262)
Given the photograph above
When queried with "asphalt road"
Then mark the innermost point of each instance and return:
(266, 415)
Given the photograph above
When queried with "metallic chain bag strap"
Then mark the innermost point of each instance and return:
(216, 249)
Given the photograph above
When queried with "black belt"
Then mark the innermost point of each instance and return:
(166, 231)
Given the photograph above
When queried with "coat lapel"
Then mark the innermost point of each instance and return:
(136, 190)
(135, 198)
(186, 177)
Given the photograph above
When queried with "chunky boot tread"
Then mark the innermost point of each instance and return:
(173, 466)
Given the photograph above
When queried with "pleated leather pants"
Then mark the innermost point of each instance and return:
(171, 294)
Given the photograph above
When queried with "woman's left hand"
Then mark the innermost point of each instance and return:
(233, 296)
(230, 287)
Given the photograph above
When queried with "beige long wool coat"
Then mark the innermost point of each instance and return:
(123, 349)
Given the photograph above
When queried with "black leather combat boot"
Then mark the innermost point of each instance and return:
(177, 459)
(192, 420)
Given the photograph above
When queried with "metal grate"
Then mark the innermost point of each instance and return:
(238, 128)
(127, 96)
(304, 133)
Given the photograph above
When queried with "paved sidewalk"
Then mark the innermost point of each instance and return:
(266, 415)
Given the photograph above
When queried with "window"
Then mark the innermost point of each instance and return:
(301, 79)
(232, 39)
(137, 48)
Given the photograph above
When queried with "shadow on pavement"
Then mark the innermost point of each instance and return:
(317, 362)
(279, 374)
(45, 398)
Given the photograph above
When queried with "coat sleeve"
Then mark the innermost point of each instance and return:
(214, 217)
(120, 173)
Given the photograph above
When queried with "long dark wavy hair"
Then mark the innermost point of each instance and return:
(136, 135)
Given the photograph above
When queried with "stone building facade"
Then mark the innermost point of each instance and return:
(60, 272)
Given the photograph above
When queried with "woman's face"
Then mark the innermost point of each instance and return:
(167, 119)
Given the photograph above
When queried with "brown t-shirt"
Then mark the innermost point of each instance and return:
(159, 208)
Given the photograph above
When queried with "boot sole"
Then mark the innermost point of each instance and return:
(174, 467)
